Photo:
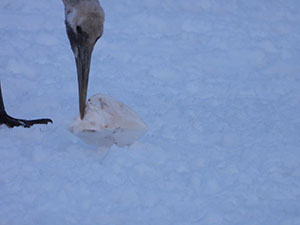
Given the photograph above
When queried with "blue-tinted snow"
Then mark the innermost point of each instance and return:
(217, 82)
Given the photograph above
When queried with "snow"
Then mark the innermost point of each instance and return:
(216, 81)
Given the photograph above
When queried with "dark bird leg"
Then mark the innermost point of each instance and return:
(13, 122)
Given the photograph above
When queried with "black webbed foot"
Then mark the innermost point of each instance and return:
(14, 122)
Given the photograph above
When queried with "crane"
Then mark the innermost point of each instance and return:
(84, 24)
(84, 21)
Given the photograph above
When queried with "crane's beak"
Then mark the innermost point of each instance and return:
(83, 62)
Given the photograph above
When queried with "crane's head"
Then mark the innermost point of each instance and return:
(84, 24)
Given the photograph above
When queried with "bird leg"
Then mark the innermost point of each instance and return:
(13, 122)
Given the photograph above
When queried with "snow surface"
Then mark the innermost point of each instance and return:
(218, 84)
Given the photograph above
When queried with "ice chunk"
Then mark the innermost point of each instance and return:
(108, 121)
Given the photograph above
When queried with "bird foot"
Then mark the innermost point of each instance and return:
(13, 122)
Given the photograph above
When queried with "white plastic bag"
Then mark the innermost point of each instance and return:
(108, 121)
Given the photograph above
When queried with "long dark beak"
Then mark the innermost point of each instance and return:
(83, 62)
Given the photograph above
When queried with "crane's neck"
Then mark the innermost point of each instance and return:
(73, 3)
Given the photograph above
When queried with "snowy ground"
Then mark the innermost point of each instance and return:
(217, 82)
